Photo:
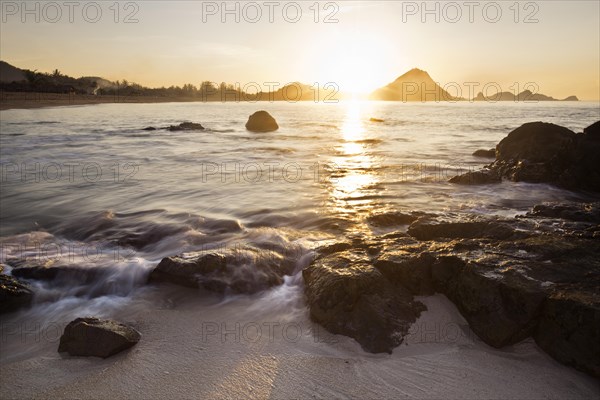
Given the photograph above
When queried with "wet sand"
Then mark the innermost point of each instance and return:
(194, 348)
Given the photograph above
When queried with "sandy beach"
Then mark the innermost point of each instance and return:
(181, 355)
(13, 100)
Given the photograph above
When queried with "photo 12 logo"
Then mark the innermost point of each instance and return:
(69, 11)
(470, 11)
(269, 11)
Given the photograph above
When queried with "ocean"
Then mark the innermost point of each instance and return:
(87, 186)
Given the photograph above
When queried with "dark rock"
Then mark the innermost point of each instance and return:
(466, 228)
(569, 330)
(593, 131)
(348, 296)
(13, 294)
(536, 142)
(97, 338)
(501, 307)
(408, 270)
(491, 153)
(510, 278)
(539, 152)
(149, 128)
(186, 126)
(542, 152)
(444, 269)
(481, 177)
(245, 270)
(261, 121)
(581, 212)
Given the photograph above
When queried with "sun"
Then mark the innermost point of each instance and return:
(356, 62)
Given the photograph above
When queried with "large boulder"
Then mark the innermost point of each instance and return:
(347, 295)
(537, 142)
(244, 270)
(261, 121)
(97, 338)
(540, 152)
(13, 294)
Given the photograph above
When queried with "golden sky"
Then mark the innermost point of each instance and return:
(358, 45)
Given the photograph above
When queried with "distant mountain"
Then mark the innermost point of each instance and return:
(525, 95)
(415, 85)
(8, 73)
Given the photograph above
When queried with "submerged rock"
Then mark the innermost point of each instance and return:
(261, 121)
(481, 177)
(347, 295)
(13, 294)
(97, 338)
(186, 126)
(376, 120)
(149, 128)
(246, 270)
(491, 153)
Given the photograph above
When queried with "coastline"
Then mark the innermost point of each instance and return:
(26, 101)
(33, 100)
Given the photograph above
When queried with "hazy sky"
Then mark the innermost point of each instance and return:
(371, 43)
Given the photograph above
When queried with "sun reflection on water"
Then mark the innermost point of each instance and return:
(353, 184)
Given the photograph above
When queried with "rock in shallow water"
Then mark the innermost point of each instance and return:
(245, 270)
(540, 152)
(186, 126)
(97, 338)
(491, 153)
(261, 121)
(476, 178)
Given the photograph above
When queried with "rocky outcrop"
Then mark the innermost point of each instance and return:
(13, 294)
(348, 296)
(261, 121)
(246, 270)
(96, 338)
(537, 275)
(541, 152)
